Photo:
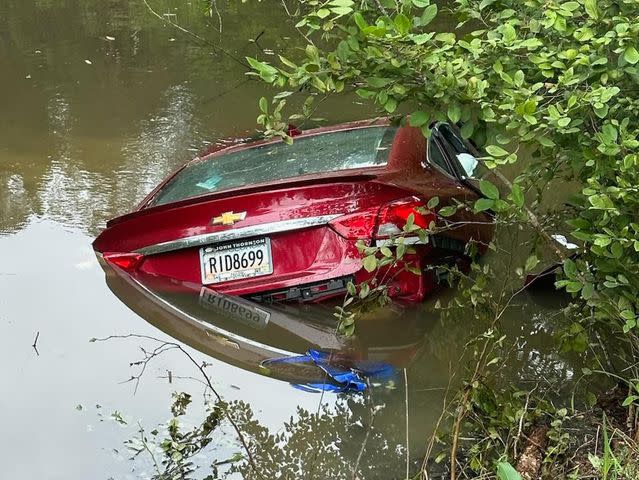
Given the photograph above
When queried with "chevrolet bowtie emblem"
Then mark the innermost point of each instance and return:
(228, 218)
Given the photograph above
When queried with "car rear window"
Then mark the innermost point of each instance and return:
(328, 152)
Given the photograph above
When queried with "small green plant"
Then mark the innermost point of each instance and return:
(172, 448)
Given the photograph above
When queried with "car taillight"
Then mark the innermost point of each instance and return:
(382, 223)
(125, 261)
(356, 225)
(394, 216)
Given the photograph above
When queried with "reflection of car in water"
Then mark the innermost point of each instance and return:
(252, 335)
(271, 221)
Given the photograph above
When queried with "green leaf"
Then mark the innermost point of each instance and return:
(264, 104)
(402, 24)
(486, 3)
(467, 130)
(341, 3)
(377, 82)
(418, 118)
(496, 151)
(341, 10)
(488, 189)
(266, 71)
(360, 21)
(573, 287)
(363, 93)
(617, 250)
(600, 202)
(628, 315)
(570, 268)
(421, 3)
(517, 194)
(591, 8)
(390, 105)
(433, 202)
(531, 262)
(369, 263)
(545, 141)
(509, 33)
(445, 37)
(422, 38)
(454, 113)
(564, 122)
(484, 204)
(505, 471)
(631, 55)
(447, 211)
(587, 291)
(429, 14)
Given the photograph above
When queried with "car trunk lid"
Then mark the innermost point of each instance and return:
(278, 207)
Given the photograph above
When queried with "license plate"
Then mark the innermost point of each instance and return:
(234, 308)
(236, 260)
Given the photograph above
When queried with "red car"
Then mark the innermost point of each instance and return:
(271, 221)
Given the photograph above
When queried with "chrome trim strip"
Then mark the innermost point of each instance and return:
(238, 233)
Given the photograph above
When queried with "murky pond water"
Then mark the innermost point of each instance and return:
(98, 102)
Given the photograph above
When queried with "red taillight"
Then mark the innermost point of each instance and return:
(356, 225)
(394, 216)
(384, 222)
(125, 261)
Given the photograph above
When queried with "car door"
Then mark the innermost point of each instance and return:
(448, 153)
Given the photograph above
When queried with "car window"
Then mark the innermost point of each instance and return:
(467, 162)
(327, 152)
(436, 156)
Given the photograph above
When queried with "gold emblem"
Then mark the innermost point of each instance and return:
(228, 218)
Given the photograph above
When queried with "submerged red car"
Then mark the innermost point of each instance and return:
(271, 221)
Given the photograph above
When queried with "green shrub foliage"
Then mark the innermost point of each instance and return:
(547, 88)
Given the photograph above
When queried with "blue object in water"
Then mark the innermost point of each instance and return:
(351, 379)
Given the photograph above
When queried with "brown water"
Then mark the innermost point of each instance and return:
(98, 102)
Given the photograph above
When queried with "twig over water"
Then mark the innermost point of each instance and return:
(215, 47)
(35, 343)
(164, 345)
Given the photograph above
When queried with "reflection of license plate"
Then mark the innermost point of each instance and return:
(234, 308)
(236, 260)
